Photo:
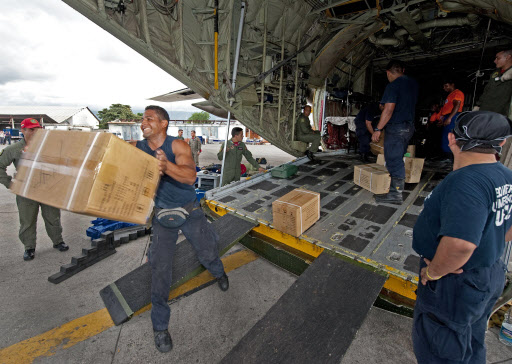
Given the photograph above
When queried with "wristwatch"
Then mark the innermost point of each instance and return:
(377, 129)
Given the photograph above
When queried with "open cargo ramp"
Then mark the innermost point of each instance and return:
(316, 320)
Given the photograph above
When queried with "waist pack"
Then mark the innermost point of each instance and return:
(176, 217)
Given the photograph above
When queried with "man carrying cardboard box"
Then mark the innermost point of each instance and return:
(29, 209)
(399, 99)
(176, 208)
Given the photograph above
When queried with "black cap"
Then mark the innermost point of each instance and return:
(485, 129)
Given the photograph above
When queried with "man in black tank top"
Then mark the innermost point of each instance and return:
(175, 191)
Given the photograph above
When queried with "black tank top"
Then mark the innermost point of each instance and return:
(170, 193)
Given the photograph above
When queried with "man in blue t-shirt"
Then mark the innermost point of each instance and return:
(176, 208)
(399, 99)
(365, 121)
(461, 235)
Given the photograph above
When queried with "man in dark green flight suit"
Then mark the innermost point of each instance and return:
(234, 152)
(306, 134)
(29, 209)
(180, 135)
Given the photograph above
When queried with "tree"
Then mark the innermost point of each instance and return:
(115, 111)
(203, 115)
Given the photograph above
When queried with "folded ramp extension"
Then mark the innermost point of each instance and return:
(132, 292)
(314, 321)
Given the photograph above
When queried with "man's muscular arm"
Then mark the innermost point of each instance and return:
(184, 170)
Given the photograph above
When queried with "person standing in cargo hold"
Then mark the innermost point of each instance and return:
(306, 134)
(460, 236)
(449, 111)
(235, 150)
(399, 99)
(497, 95)
(29, 209)
(195, 145)
(176, 208)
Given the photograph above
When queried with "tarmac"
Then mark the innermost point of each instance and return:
(67, 323)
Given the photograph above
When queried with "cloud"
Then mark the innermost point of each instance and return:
(52, 55)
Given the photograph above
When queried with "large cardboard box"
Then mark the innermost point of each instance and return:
(372, 177)
(413, 168)
(95, 174)
(411, 149)
(296, 211)
(378, 148)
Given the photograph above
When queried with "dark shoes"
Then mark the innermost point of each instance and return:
(223, 282)
(163, 341)
(61, 246)
(310, 155)
(29, 254)
(394, 196)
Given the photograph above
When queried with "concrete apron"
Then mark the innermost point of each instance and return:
(204, 326)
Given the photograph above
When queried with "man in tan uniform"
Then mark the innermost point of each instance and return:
(195, 145)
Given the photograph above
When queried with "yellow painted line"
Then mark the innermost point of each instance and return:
(85, 327)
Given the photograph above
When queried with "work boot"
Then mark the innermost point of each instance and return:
(364, 157)
(29, 254)
(163, 341)
(394, 195)
(310, 155)
(61, 246)
(223, 282)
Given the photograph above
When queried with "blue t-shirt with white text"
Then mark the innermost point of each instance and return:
(473, 203)
(403, 92)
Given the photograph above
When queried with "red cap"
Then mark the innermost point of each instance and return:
(30, 123)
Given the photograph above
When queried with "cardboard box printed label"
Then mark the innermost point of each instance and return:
(296, 211)
(372, 177)
(413, 168)
(94, 174)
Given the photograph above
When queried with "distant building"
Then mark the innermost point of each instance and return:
(50, 117)
(211, 131)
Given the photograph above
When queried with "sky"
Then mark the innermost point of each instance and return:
(53, 55)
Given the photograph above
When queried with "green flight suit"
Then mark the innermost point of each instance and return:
(305, 133)
(234, 153)
(195, 145)
(180, 138)
(497, 95)
(29, 209)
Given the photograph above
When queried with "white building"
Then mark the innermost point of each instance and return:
(211, 131)
(50, 117)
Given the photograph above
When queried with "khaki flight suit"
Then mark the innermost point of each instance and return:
(195, 145)
(29, 209)
(234, 153)
(306, 134)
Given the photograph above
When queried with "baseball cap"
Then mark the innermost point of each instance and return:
(30, 123)
(484, 129)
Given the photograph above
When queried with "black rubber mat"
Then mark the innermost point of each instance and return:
(133, 291)
(314, 321)
(378, 214)
(412, 263)
(335, 203)
(335, 186)
(408, 220)
(354, 243)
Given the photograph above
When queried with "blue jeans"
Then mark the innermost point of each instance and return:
(204, 240)
(450, 316)
(364, 137)
(446, 130)
(396, 140)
